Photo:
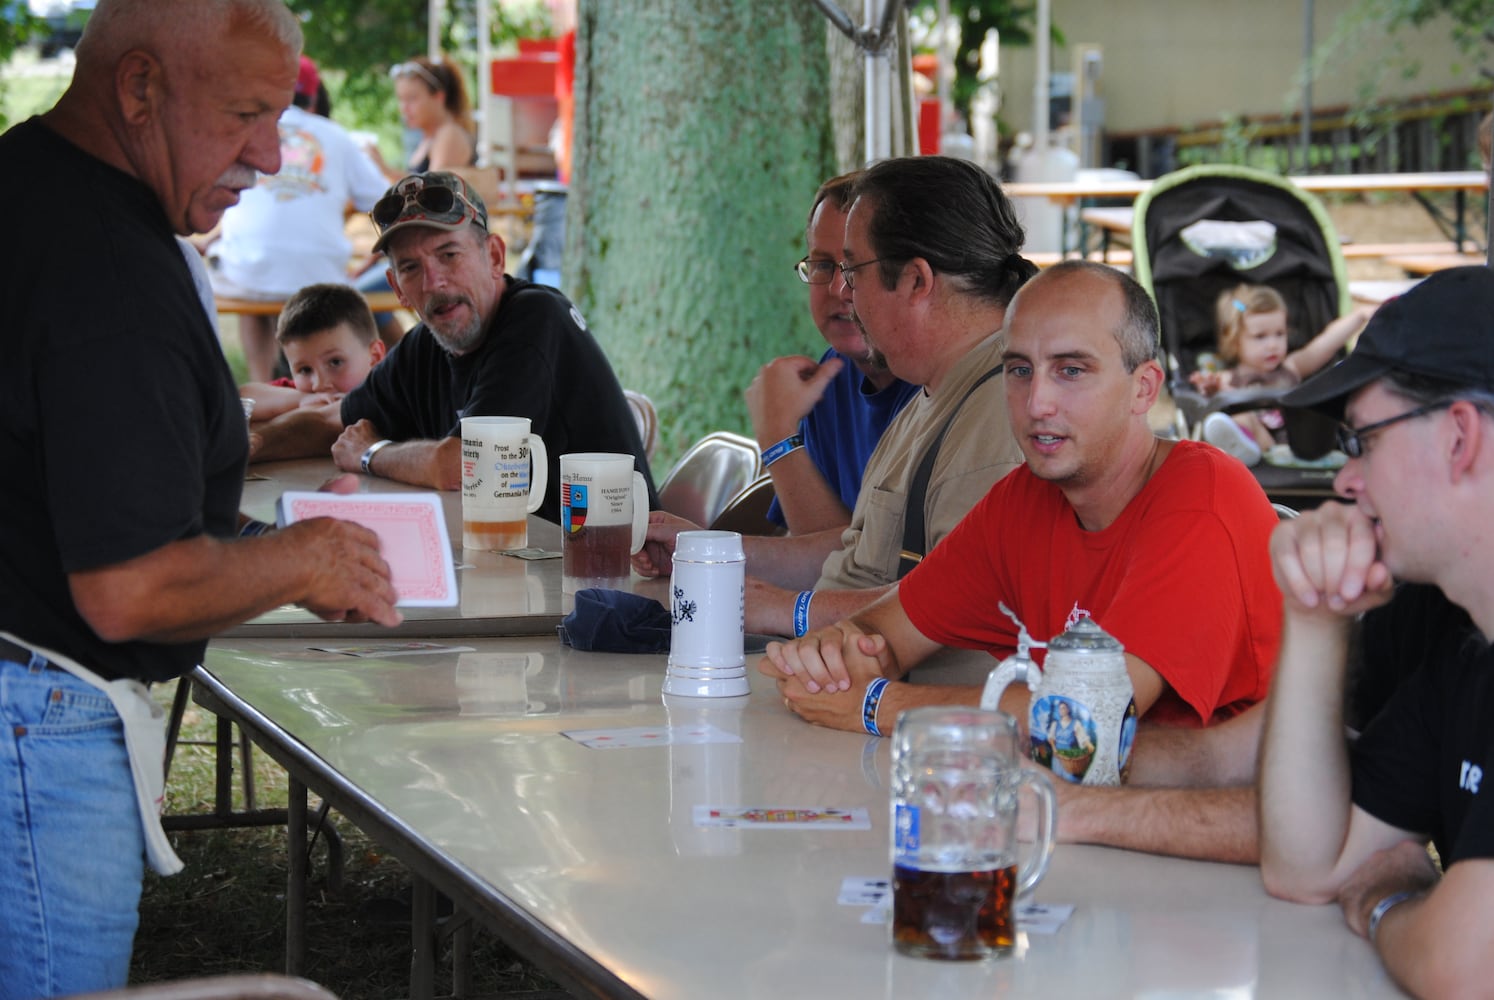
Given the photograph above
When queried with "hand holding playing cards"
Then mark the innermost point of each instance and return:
(830, 658)
(347, 579)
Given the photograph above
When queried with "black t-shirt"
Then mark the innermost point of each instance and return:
(538, 360)
(1418, 627)
(120, 427)
(1421, 762)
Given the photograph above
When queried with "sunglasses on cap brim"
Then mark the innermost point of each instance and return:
(437, 204)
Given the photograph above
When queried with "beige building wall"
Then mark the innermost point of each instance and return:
(1184, 62)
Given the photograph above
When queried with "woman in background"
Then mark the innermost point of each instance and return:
(432, 97)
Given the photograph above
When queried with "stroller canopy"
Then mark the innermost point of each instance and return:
(1204, 229)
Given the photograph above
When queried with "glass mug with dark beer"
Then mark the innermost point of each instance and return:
(603, 518)
(956, 774)
(505, 470)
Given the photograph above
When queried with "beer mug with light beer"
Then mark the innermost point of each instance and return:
(505, 470)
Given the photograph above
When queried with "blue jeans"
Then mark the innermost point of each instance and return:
(72, 857)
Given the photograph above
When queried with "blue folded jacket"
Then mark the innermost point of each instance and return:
(615, 621)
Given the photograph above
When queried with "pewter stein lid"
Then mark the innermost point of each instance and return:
(1085, 637)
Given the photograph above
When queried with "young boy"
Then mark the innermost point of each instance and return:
(330, 342)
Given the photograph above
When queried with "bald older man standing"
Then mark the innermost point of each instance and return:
(126, 448)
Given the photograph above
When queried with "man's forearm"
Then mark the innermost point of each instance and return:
(308, 432)
(1211, 824)
(1436, 944)
(433, 464)
(1304, 770)
(897, 698)
(192, 589)
(772, 611)
(1222, 754)
(792, 562)
(809, 504)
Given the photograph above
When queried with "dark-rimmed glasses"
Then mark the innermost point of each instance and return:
(848, 270)
(816, 272)
(1351, 439)
(429, 198)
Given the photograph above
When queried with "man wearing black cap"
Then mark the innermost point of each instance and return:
(488, 345)
(1350, 823)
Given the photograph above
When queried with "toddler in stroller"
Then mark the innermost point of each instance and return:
(1252, 342)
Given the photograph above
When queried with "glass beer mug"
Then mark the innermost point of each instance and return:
(956, 773)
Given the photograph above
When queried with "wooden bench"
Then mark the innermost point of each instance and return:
(1117, 258)
(379, 302)
(1376, 293)
(1112, 222)
(1362, 250)
(1424, 264)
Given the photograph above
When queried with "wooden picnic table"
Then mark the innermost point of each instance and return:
(1460, 182)
(1421, 265)
(379, 302)
(1377, 293)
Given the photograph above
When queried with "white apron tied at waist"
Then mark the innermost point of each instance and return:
(145, 740)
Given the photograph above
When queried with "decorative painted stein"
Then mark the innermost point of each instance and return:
(1081, 720)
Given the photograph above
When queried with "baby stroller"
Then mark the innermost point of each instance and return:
(1202, 230)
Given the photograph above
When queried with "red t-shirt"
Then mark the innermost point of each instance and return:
(1182, 579)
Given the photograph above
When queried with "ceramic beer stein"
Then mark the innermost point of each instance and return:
(1082, 717)
(708, 604)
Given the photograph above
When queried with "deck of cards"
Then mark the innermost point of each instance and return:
(412, 537)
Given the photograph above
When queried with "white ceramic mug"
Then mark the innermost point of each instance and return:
(603, 519)
(708, 605)
(505, 470)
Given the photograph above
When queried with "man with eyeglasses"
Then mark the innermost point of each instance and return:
(125, 448)
(817, 423)
(1350, 823)
(931, 256)
(488, 344)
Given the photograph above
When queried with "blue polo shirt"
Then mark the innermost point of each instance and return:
(843, 429)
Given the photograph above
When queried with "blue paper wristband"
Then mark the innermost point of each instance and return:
(801, 612)
(869, 706)
(791, 443)
(252, 529)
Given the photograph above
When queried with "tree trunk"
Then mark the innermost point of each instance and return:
(701, 134)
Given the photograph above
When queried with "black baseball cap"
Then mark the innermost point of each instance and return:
(1443, 328)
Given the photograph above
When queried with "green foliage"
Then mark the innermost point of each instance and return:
(1380, 26)
(1015, 21)
(362, 39)
(701, 135)
(17, 27)
(355, 42)
(1472, 20)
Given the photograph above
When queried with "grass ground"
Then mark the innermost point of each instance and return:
(225, 912)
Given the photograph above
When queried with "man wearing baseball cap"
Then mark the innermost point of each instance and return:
(488, 344)
(1350, 823)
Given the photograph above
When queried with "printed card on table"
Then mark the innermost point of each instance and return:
(412, 537)
(783, 818)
